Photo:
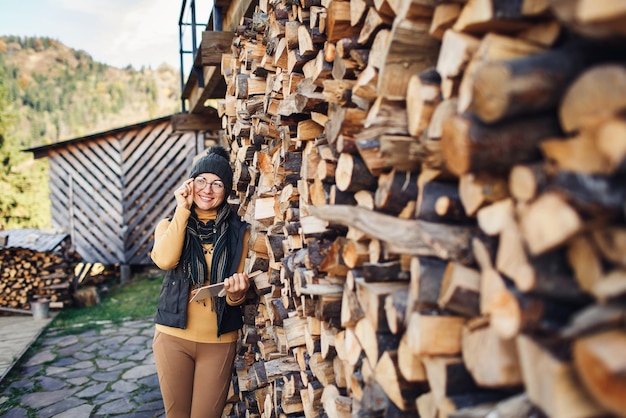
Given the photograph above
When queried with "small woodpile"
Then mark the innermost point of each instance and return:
(436, 191)
(36, 265)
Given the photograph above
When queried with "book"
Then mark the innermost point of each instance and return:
(214, 290)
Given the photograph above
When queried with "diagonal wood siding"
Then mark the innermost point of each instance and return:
(153, 162)
(109, 191)
(86, 199)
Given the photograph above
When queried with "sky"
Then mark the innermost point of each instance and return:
(114, 32)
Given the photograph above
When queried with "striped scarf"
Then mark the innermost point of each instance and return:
(193, 253)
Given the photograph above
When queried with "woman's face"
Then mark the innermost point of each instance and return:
(208, 191)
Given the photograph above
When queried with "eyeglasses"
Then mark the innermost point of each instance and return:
(216, 186)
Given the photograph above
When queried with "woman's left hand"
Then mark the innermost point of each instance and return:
(236, 286)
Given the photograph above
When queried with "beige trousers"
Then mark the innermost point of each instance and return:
(194, 377)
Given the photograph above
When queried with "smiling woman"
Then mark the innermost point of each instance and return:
(203, 243)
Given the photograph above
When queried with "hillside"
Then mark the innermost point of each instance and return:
(49, 93)
(61, 93)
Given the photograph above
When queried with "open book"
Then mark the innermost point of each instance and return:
(214, 290)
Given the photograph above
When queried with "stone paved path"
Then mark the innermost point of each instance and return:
(17, 333)
(105, 373)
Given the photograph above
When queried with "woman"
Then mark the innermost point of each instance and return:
(203, 243)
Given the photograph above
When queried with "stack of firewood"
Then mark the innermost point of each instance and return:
(436, 192)
(28, 275)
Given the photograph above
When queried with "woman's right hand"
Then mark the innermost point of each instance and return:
(184, 194)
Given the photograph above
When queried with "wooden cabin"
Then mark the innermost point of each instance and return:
(108, 190)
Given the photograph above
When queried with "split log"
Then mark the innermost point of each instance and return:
(439, 201)
(434, 334)
(460, 290)
(410, 364)
(551, 382)
(353, 175)
(373, 22)
(470, 146)
(479, 189)
(447, 377)
(443, 111)
(513, 313)
(295, 331)
(404, 153)
(333, 263)
(405, 236)
(336, 405)
(369, 151)
(596, 95)
(505, 89)
(544, 33)
(491, 360)
(372, 297)
(598, 20)
(493, 47)
(579, 153)
(527, 181)
(584, 258)
(411, 49)
(547, 274)
(322, 369)
(494, 218)
(425, 287)
(599, 362)
(338, 23)
(457, 50)
(374, 343)
(395, 190)
(549, 222)
(213, 46)
(444, 17)
(610, 139)
(400, 391)
(388, 113)
(351, 310)
(395, 310)
(355, 254)
(365, 87)
(482, 16)
(422, 97)
(309, 40)
(413, 9)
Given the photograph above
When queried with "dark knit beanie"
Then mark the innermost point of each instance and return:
(216, 161)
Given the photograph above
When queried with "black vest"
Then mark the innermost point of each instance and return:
(174, 297)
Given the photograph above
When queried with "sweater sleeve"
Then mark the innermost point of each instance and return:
(169, 237)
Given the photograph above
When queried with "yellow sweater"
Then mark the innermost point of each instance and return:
(168, 246)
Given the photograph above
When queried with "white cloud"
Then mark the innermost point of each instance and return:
(116, 32)
(148, 31)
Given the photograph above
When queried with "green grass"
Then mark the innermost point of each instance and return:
(136, 299)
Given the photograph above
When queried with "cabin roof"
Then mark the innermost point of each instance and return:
(41, 151)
